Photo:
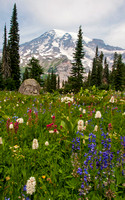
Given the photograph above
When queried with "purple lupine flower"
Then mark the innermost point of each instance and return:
(79, 171)
(24, 188)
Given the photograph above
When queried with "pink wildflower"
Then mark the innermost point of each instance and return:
(55, 130)
(109, 126)
(53, 117)
(30, 110)
(16, 126)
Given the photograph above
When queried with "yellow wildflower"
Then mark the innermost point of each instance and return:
(7, 178)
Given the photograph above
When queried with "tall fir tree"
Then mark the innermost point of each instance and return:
(58, 83)
(6, 70)
(14, 48)
(1, 77)
(99, 63)
(113, 73)
(48, 83)
(26, 74)
(77, 70)
(123, 73)
(119, 74)
(36, 70)
(88, 82)
(106, 72)
(93, 80)
(53, 81)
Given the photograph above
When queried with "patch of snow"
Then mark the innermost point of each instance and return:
(55, 44)
(28, 58)
(36, 56)
(21, 61)
(27, 52)
(57, 56)
(68, 52)
(59, 33)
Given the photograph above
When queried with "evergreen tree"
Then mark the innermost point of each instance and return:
(99, 63)
(123, 74)
(113, 73)
(35, 70)
(1, 77)
(97, 69)
(93, 80)
(96, 54)
(88, 83)
(48, 83)
(14, 48)
(77, 69)
(53, 81)
(58, 83)
(119, 74)
(6, 70)
(106, 73)
(26, 74)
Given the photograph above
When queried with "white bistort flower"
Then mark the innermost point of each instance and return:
(80, 109)
(84, 111)
(51, 131)
(112, 99)
(1, 141)
(86, 123)
(98, 114)
(11, 126)
(35, 144)
(95, 128)
(30, 186)
(46, 143)
(80, 128)
(67, 99)
(81, 123)
(20, 120)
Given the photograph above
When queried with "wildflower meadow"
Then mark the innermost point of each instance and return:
(62, 146)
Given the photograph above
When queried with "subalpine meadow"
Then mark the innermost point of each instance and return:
(62, 147)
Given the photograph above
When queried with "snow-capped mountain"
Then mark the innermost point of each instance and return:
(55, 49)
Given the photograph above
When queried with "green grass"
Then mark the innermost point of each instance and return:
(55, 167)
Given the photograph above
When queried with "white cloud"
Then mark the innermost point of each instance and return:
(116, 35)
(99, 18)
(67, 12)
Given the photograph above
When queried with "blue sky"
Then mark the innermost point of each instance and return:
(102, 19)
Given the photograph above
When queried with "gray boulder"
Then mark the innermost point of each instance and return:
(30, 87)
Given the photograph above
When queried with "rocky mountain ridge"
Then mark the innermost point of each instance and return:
(55, 48)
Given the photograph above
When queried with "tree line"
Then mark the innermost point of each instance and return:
(100, 75)
(10, 74)
(9, 66)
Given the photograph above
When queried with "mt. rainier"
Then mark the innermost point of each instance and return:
(55, 49)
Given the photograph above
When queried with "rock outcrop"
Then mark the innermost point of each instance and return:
(30, 87)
